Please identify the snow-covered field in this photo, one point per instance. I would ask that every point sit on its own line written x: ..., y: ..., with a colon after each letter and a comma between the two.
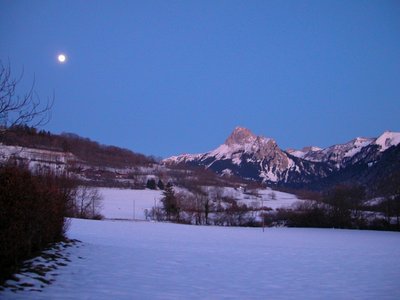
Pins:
x: 131, y: 204
x: 128, y: 204
x: 145, y: 260
x: 122, y: 259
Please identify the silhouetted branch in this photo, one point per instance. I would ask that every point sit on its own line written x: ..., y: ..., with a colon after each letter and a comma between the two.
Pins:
x: 18, y: 110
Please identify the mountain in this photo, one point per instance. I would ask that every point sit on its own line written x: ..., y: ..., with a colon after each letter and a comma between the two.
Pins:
x: 253, y: 157
x: 259, y: 158
x: 336, y: 155
x: 243, y: 154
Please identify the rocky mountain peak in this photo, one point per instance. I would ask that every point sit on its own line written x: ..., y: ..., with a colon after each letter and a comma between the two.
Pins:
x: 240, y: 136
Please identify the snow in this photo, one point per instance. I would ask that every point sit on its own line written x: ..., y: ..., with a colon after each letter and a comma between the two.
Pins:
x: 223, y: 151
x: 36, y: 158
x: 131, y: 204
x: 243, y: 141
x: 250, y: 144
x: 128, y: 204
x: 337, y: 152
x: 231, y: 151
x: 358, y: 145
x: 276, y: 199
x: 268, y: 174
x: 267, y: 198
x: 388, y: 139
x: 297, y: 153
x: 145, y: 260
x: 240, y: 141
x: 303, y: 152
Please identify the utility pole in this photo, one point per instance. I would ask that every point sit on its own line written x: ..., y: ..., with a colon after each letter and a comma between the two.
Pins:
x: 155, y: 209
x: 134, y: 204
x: 262, y: 213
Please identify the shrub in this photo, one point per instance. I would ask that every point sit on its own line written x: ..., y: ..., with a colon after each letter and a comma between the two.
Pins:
x: 32, y: 210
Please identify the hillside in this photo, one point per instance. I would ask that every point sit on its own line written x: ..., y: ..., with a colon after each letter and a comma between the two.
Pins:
x: 87, y: 160
x: 97, y: 164
x: 83, y: 149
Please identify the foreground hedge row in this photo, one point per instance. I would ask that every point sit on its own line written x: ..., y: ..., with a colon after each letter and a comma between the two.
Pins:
x: 32, y: 210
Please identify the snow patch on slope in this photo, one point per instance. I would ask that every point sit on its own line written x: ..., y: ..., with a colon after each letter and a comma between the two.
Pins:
x: 387, y: 140
x: 337, y: 153
x: 358, y: 144
x: 303, y: 152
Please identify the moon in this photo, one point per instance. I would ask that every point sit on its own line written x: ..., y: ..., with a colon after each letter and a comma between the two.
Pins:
x: 62, y: 58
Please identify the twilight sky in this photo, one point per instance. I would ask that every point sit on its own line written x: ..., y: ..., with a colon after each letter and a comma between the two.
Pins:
x: 170, y: 77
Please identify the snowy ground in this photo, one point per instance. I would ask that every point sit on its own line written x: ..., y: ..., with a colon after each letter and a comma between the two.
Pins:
x: 122, y: 259
x: 128, y: 204
x: 131, y: 204
x: 145, y: 260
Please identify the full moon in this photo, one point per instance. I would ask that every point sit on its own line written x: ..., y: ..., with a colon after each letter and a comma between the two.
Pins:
x: 62, y: 58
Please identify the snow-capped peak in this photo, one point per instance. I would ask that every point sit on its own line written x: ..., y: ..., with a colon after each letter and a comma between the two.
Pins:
x: 356, y: 145
x: 257, y: 157
x: 387, y: 140
x: 335, y: 153
x: 242, y: 146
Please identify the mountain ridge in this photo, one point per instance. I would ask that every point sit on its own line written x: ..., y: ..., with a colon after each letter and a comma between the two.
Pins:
x: 258, y: 158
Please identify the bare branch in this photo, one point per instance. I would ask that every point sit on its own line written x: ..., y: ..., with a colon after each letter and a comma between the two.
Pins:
x: 21, y: 110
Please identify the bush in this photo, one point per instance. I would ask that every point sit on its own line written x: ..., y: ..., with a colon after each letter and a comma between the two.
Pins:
x: 32, y: 210
x: 305, y: 214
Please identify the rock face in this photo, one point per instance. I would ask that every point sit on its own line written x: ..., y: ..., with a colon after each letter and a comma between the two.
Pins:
x: 259, y: 158
x: 245, y: 155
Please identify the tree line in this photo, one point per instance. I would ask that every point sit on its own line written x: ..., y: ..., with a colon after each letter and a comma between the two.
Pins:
x: 344, y: 206
x: 85, y: 149
x: 204, y: 206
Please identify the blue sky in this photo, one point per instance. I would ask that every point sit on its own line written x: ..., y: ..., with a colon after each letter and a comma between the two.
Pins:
x: 170, y: 77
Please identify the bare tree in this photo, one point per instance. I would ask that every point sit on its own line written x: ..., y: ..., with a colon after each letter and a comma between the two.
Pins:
x: 20, y: 110
x: 87, y: 203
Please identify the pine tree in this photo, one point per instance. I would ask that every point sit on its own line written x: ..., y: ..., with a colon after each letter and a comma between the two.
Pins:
x: 151, y: 184
x: 170, y: 203
x: 160, y: 184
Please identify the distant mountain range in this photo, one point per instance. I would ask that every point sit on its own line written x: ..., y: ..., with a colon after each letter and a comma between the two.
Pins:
x: 258, y: 158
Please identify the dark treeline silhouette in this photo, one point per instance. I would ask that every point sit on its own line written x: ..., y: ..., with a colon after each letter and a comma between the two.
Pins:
x: 344, y: 206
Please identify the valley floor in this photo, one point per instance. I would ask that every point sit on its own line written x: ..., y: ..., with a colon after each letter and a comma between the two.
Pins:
x: 145, y: 260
